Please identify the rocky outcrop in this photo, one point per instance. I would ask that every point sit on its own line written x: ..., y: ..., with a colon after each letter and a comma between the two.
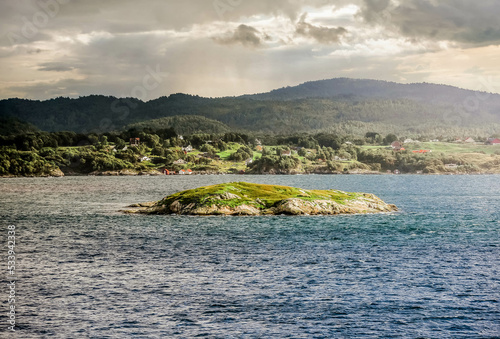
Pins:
x: 56, y: 172
x: 272, y: 200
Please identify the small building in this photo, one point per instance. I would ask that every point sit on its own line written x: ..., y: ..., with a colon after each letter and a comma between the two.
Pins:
x: 180, y: 162
x: 493, y: 141
x: 470, y: 140
x: 258, y: 148
x: 286, y: 153
x: 451, y: 165
x: 248, y: 161
x: 145, y: 159
x: 396, y: 171
x: 396, y: 145
x: 135, y: 141
x: 409, y: 141
x: 187, y: 148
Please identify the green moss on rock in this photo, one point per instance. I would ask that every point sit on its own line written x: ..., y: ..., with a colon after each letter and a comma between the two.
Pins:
x: 242, y: 198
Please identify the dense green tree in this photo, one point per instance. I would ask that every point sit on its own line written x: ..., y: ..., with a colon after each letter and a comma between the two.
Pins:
x: 242, y: 154
x: 390, y: 138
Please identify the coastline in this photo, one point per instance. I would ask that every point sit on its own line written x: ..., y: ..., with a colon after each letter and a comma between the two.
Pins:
x: 159, y: 174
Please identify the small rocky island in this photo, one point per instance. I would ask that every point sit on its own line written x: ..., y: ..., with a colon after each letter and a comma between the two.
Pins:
x: 242, y: 198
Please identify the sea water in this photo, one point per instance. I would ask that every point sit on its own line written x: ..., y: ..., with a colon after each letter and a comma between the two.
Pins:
x: 84, y: 270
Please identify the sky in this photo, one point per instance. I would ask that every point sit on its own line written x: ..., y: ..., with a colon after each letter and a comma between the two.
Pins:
x: 152, y: 48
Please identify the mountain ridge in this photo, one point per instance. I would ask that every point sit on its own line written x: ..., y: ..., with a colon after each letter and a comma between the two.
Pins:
x: 310, y: 106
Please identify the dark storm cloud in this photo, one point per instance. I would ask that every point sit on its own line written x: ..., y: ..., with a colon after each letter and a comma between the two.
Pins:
x: 245, y: 35
x: 324, y: 35
x: 55, y: 67
x: 471, y: 23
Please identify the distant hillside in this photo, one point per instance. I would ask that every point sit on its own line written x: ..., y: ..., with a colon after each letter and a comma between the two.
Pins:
x: 14, y: 126
x: 362, y: 89
x: 340, y: 105
x: 183, y: 124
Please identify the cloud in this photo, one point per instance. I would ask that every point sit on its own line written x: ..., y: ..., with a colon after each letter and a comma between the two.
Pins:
x: 55, y: 67
x: 324, y: 35
x: 245, y: 35
x: 465, y: 22
x: 104, y: 47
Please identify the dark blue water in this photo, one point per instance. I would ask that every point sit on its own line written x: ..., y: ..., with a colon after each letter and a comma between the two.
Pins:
x: 84, y: 270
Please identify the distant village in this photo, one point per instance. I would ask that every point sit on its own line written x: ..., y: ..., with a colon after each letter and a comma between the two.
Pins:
x: 396, y: 146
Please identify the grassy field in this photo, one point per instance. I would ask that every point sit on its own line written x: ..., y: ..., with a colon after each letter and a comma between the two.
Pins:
x: 247, y: 193
x: 233, y: 147
x: 447, y: 147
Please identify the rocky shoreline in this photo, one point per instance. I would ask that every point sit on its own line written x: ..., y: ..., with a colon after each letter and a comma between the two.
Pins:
x: 256, y: 199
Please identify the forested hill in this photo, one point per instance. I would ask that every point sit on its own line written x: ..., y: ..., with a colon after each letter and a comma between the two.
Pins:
x: 363, y: 89
x: 336, y: 105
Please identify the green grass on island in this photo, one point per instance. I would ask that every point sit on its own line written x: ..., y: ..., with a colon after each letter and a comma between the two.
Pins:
x: 262, y: 196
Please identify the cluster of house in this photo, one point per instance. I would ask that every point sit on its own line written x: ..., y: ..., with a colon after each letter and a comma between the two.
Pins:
x: 181, y: 172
